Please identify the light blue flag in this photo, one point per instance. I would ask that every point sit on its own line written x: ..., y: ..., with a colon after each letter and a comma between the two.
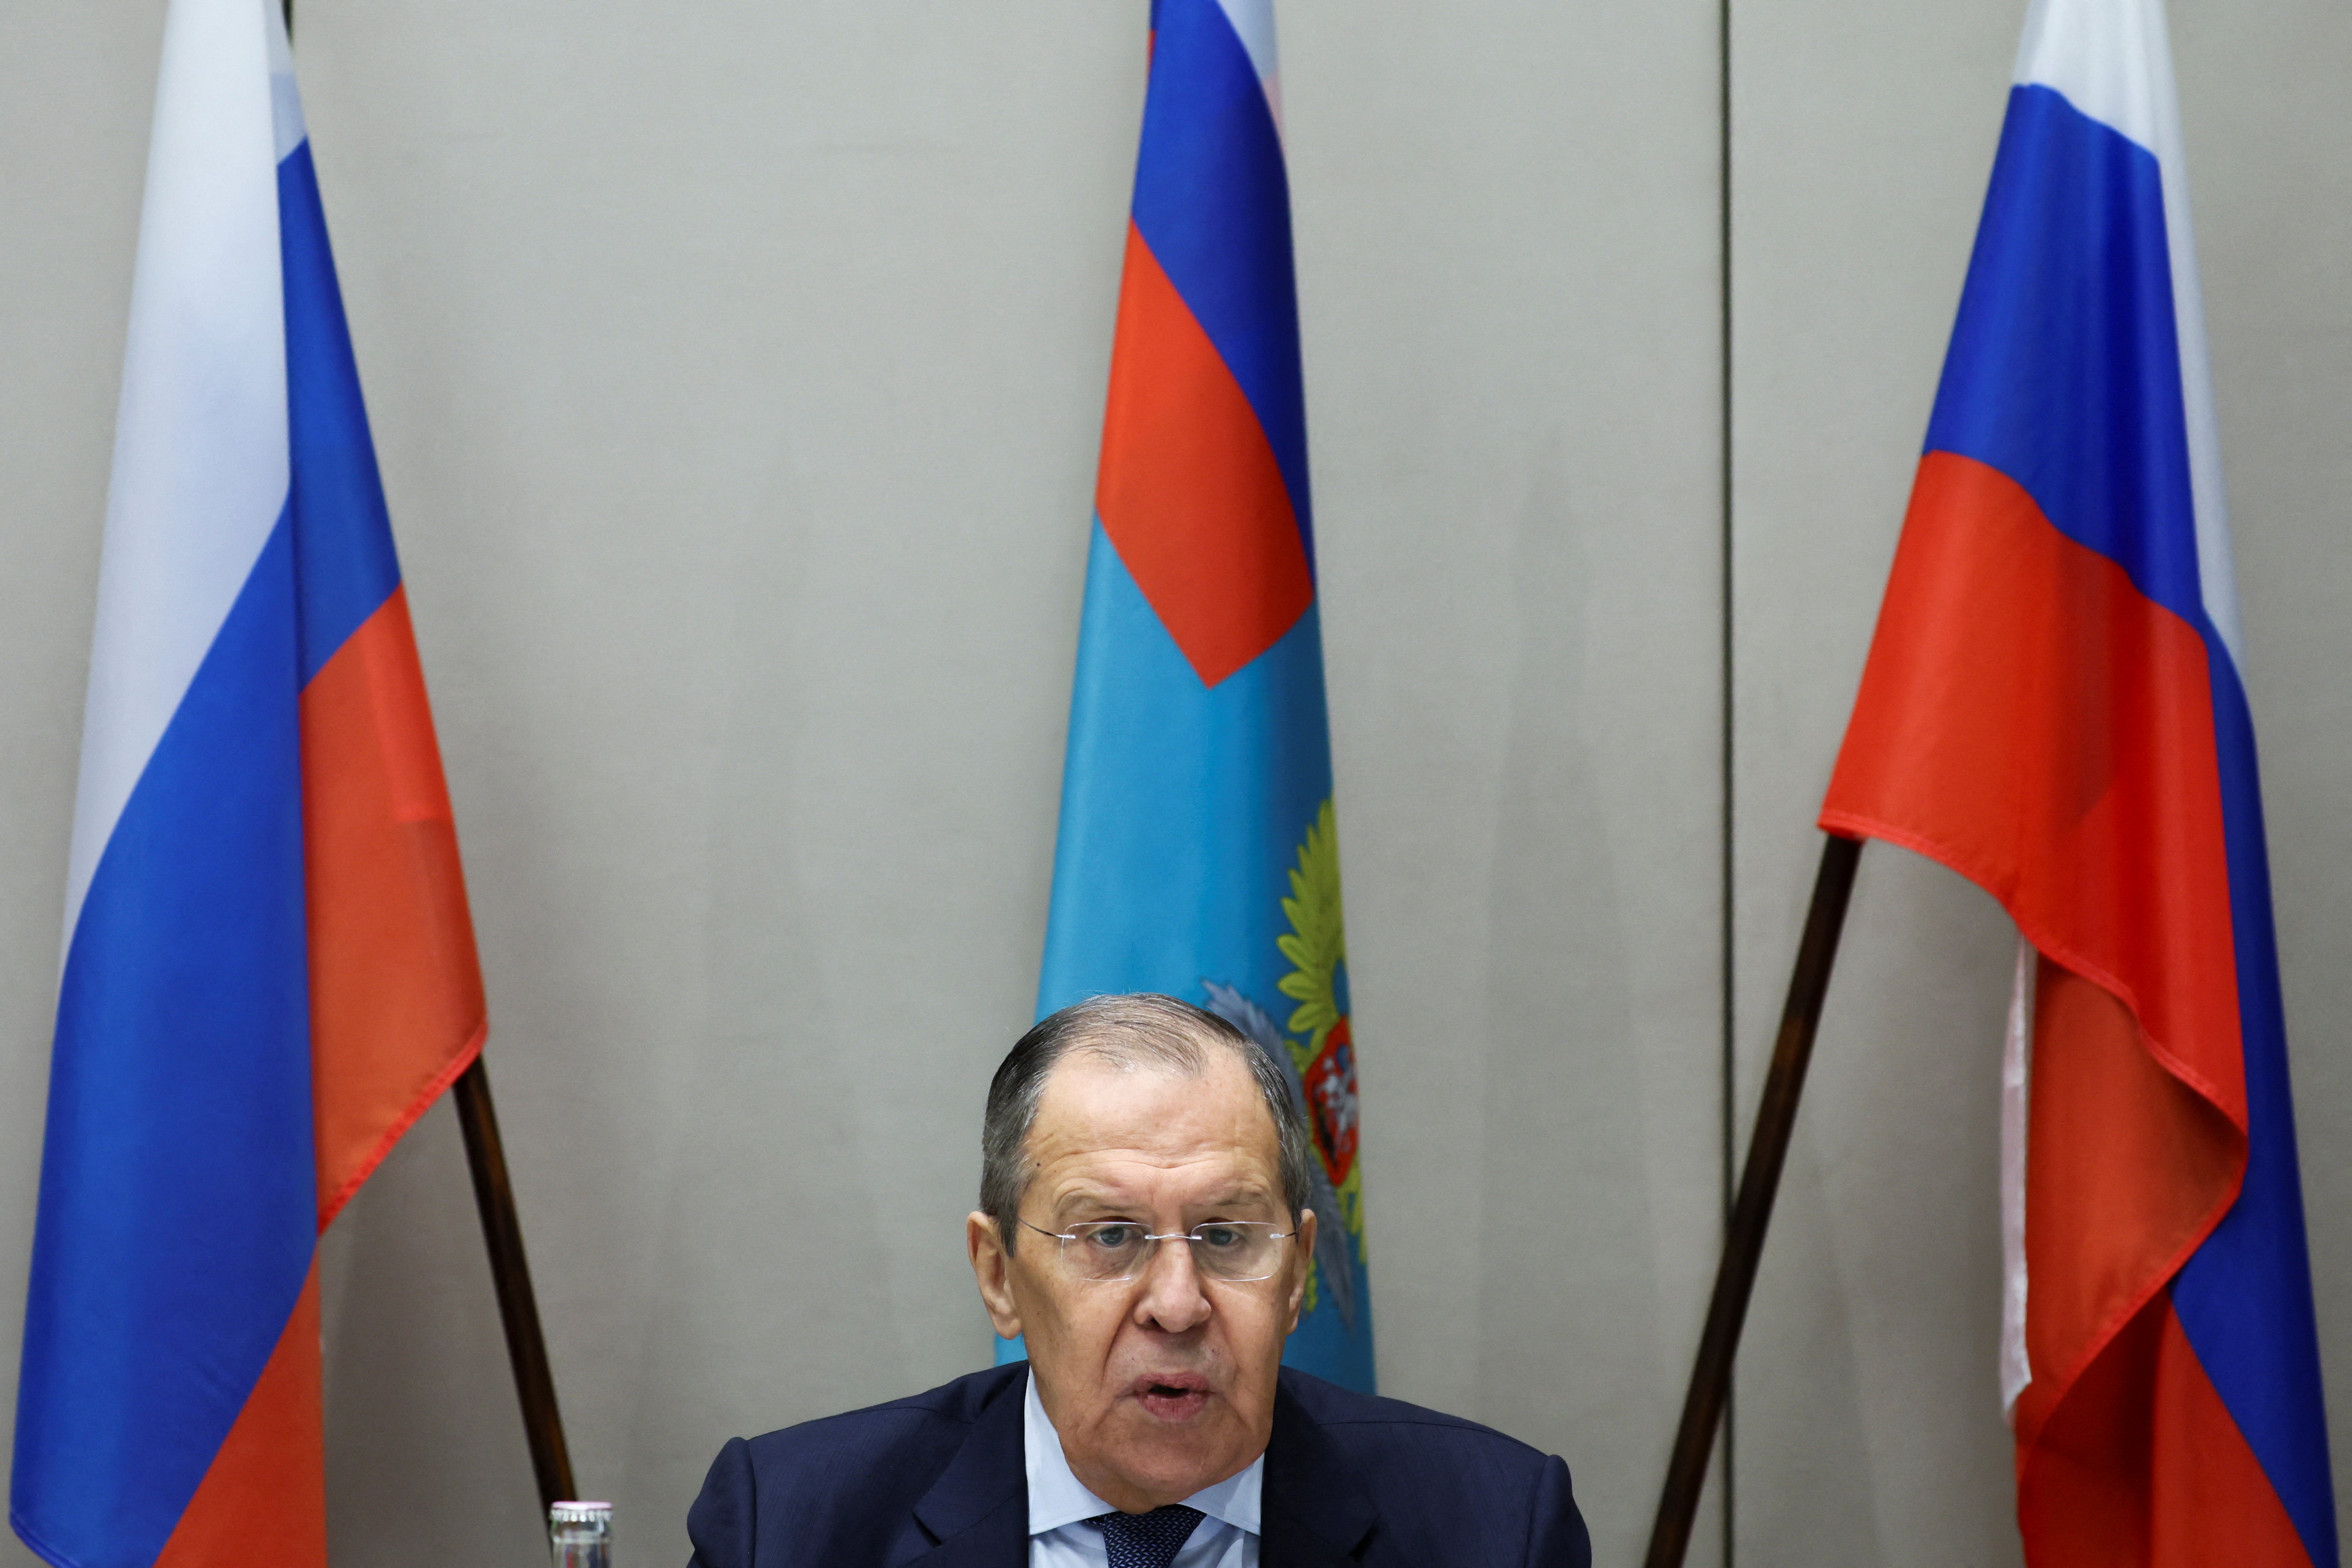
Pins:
x: 1199, y: 855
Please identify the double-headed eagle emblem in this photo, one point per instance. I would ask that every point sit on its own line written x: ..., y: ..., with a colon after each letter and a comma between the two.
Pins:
x: 1317, y: 1054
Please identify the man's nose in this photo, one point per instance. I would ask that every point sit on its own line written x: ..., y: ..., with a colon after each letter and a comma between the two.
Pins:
x: 1173, y: 1300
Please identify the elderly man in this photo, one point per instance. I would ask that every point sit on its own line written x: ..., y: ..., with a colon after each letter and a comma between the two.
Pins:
x: 1143, y: 1222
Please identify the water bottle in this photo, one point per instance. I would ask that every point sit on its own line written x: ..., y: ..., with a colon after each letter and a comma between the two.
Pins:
x: 581, y: 1534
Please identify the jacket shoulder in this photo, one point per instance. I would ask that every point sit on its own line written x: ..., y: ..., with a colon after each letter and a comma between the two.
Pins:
x: 950, y: 1408
x: 839, y: 1488
x: 1446, y: 1489
x: 1332, y: 1407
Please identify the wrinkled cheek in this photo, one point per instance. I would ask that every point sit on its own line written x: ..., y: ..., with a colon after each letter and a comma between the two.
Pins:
x: 1046, y: 1317
x: 1086, y: 1341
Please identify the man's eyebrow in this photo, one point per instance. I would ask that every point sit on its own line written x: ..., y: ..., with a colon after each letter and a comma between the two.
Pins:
x: 1098, y: 1197
x: 1248, y: 1193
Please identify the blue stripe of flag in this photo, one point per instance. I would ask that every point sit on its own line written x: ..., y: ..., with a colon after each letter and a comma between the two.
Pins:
x: 2244, y: 1297
x: 1213, y: 201
x: 178, y: 1203
x: 2064, y: 370
x: 343, y: 535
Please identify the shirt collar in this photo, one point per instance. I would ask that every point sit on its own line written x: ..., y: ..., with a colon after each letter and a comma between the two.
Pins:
x: 1057, y: 1497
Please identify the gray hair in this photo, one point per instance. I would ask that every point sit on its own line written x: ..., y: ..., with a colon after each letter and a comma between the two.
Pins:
x: 1140, y: 1030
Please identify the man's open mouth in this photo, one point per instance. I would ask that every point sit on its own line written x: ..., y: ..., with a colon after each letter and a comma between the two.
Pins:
x: 1172, y: 1396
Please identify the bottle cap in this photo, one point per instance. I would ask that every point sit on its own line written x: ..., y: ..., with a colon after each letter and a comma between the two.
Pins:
x: 579, y: 1512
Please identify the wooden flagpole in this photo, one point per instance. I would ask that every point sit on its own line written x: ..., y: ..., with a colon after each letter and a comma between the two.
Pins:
x: 1751, y: 1212
x: 550, y: 1458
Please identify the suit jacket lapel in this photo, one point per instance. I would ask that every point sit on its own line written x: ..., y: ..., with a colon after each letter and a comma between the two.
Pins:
x: 1314, y: 1511
x: 976, y: 1515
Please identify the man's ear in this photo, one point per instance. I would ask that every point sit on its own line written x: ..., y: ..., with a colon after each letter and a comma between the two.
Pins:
x: 993, y: 1269
x: 1302, y: 1248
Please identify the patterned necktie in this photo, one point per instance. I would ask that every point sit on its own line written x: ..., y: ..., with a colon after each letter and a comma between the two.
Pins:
x: 1147, y: 1539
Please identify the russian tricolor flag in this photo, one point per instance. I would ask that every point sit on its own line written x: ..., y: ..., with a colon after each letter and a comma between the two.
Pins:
x: 268, y: 969
x: 1199, y: 848
x: 2055, y: 706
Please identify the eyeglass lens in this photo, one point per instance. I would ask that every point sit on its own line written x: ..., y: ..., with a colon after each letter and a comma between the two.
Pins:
x: 1118, y: 1250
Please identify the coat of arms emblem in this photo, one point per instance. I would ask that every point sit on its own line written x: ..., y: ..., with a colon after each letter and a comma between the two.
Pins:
x: 1315, y: 1050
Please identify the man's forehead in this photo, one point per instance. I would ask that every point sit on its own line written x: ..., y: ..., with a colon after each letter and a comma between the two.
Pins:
x: 1095, y: 1102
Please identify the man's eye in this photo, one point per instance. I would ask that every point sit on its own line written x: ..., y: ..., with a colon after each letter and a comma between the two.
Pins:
x: 1219, y: 1235
x: 1115, y: 1236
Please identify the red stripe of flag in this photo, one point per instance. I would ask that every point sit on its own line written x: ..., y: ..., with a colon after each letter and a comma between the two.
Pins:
x: 1189, y: 489
x: 2030, y: 718
x: 397, y: 1007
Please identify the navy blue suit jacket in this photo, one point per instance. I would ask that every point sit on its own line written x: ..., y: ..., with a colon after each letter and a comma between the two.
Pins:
x: 940, y: 1481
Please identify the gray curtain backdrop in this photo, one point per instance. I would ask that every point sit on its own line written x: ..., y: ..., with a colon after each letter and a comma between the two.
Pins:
x: 736, y: 370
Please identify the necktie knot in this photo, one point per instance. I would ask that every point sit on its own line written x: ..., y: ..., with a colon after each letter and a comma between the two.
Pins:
x: 1147, y: 1539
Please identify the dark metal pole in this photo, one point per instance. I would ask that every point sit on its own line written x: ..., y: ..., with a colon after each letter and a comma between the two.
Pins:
x: 551, y: 1460
x: 1743, y: 1244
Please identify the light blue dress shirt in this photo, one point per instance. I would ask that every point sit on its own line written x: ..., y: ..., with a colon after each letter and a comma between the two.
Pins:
x: 1059, y: 1504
